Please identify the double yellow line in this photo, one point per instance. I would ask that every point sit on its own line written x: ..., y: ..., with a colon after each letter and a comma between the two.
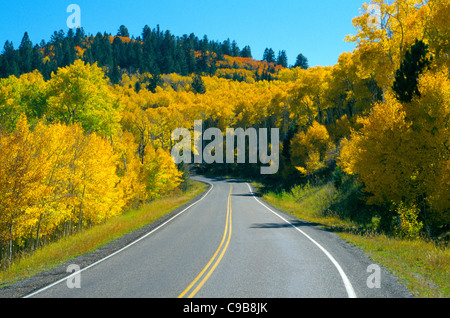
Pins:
x: 226, y: 237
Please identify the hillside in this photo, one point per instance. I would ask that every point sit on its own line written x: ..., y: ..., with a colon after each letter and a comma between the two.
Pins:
x: 155, y: 51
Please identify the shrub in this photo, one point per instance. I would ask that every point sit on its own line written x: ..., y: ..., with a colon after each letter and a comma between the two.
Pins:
x: 408, y: 225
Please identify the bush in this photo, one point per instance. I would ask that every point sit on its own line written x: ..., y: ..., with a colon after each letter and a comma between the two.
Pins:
x: 408, y: 225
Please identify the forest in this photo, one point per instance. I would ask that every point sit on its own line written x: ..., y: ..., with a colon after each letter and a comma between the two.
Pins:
x: 86, y: 121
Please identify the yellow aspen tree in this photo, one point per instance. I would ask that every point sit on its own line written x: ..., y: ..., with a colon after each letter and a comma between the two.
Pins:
x: 430, y: 116
x: 309, y: 149
x: 80, y: 93
x: 99, y: 197
x: 159, y: 172
x: 22, y: 173
x: 378, y: 156
x: 129, y: 167
x: 382, y: 45
x: 52, y: 209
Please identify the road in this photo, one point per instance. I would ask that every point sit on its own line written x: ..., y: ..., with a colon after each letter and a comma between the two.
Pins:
x: 231, y: 244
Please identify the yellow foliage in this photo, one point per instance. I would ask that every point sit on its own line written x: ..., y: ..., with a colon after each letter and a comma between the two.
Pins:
x: 309, y: 149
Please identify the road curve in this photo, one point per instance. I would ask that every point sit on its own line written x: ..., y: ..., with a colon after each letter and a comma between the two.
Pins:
x: 231, y: 244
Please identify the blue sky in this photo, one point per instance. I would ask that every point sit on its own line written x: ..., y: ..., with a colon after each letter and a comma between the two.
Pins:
x: 314, y: 28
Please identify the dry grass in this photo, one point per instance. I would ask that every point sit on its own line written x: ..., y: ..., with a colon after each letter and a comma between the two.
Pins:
x: 68, y: 248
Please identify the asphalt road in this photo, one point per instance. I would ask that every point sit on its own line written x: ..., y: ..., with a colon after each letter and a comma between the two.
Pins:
x: 231, y: 244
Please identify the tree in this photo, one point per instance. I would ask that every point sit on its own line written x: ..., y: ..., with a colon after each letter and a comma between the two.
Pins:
x: 80, y: 93
x: 407, y: 76
x: 234, y: 49
x: 197, y: 85
x: 160, y: 173
x: 269, y: 55
x: 10, y: 60
x: 246, y: 52
x: 25, y: 54
x: 309, y: 149
x: 402, y: 152
x: 123, y: 31
x: 22, y: 172
x: 282, y: 58
x: 301, y: 61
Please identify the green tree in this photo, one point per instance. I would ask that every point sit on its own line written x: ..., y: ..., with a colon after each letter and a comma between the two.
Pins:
x: 25, y: 54
x: 301, y: 61
x: 123, y: 31
x: 80, y: 93
x: 282, y: 58
x: 246, y: 52
x: 10, y: 65
x: 197, y: 85
x: 406, y: 77
x: 269, y: 55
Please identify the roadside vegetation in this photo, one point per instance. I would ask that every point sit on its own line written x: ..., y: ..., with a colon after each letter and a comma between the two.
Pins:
x: 66, y: 248
x: 421, y: 263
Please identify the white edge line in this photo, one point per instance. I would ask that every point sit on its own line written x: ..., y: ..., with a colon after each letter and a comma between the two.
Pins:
x: 122, y: 249
x: 348, y: 286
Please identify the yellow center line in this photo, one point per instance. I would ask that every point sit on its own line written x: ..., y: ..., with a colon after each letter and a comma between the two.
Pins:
x: 226, y: 233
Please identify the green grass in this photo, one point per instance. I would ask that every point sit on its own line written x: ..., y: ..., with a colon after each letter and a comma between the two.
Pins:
x: 89, y: 240
x: 421, y: 265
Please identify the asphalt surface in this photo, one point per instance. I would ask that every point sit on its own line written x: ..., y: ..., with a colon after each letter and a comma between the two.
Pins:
x: 228, y: 243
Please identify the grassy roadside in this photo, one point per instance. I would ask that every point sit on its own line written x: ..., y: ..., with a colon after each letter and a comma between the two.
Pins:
x: 87, y: 241
x: 421, y: 265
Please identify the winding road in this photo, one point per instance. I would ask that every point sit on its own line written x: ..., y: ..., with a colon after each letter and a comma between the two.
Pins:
x: 231, y: 244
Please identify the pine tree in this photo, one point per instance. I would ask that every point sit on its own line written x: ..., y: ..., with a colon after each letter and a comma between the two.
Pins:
x: 406, y: 77
x: 269, y: 55
x: 123, y: 31
x: 301, y: 61
x: 25, y: 54
x: 246, y: 52
x: 282, y: 59
x: 10, y: 57
x: 197, y: 85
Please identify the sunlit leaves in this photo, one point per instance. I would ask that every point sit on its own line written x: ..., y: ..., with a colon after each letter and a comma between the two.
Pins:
x: 80, y: 94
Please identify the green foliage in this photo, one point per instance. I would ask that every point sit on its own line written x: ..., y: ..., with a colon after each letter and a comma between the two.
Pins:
x: 197, y: 85
x: 301, y: 62
x: 406, y: 77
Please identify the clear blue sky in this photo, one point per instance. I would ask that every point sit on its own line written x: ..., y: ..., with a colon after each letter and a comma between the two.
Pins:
x: 314, y: 28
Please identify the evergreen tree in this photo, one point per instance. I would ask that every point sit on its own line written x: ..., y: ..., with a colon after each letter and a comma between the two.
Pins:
x: 406, y: 77
x: 269, y: 55
x: 282, y: 58
x: 301, y: 61
x: 36, y: 59
x: 78, y: 37
x: 10, y: 65
x: 234, y: 49
x: 123, y: 31
x: 25, y: 54
x: 226, y: 47
x: 118, y: 52
x: 246, y: 52
x: 153, y: 82
x: 197, y: 85
x: 114, y: 74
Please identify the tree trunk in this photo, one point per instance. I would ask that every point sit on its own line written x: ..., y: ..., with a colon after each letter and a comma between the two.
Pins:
x: 10, y: 243
x: 38, y: 232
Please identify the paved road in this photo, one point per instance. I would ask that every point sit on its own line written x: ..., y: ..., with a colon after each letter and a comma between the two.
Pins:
x: 231, y: 244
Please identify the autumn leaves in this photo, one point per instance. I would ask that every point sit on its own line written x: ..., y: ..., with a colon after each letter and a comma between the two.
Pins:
x: 65, y: 160
x: 77, y: 150
x: 401, y: 152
